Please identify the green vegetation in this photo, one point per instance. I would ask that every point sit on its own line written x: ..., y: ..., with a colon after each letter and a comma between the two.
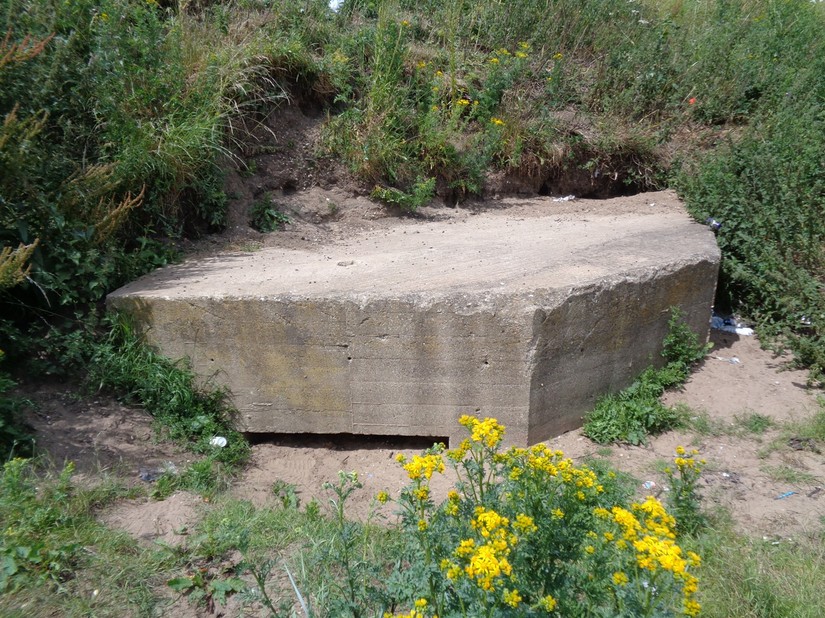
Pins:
x: 746, y: 578
x: 265, y: 216
x: 524, y: 533
x: 57, y: 559
x: 754, y: 423
x: 636, y: 412
x: 169, y: 392
x: 118, y: 119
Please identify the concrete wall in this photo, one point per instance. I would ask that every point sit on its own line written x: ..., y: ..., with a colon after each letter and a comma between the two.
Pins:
x: 407, y: 366
x: 526, y: 315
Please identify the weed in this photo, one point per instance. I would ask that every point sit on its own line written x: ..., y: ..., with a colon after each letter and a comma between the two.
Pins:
x: 57, y: 558
x: 754, y: 423
x: 746, y: 577
x: 683, y: 498
x: 200, y: 588
x: 185, y: 411
x: 812, y: 428
x: 783, y: 473
x: 204, y: 477
x: 525, y: 532
x: 634, y: 413
x: 421, y: 194
x: 265, y: 216
x: 287, y: 494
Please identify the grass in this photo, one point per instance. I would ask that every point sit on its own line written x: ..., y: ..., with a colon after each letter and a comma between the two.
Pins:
x: 184, y: 409
x: 57, y: 558
x: 812, y: 428
x: 753, y: 423
x: 750, y: 578
x: 784, y: 473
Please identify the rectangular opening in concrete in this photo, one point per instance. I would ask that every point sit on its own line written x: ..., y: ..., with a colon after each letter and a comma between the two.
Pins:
x: 347, y: 441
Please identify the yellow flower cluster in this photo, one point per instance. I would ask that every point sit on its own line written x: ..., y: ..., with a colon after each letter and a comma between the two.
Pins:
x: 382, y: 497
x: 486, y: 564
x: 502, y: 53
x: 650, y: 531
x: 512, y: 598
x: 688, y: 464
x: 487, y: 561
x: 547, y: 603
x: 489, y: 431
x: 421, y: 465
x: 453, y: 499
x: 524, y: 524
x: 620, y: 578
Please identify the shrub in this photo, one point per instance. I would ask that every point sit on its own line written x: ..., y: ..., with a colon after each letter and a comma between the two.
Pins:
x: 265, y: 216
x: 525, y: 532
x: 27, y: 550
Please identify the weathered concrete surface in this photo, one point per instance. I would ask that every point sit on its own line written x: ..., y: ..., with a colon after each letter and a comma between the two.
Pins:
x: 526, y: 314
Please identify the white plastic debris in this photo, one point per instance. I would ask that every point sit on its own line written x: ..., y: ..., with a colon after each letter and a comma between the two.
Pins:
x: 730, y: 325
x: 218, y: 441
x: 566, y: 198
x: 335, y: 4
x: 733, y: 360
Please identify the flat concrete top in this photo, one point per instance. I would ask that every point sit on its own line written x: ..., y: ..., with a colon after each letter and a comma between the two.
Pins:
x: 518, y: 246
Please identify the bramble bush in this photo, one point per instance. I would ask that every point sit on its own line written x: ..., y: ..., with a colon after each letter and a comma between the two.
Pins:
x: 524, y: 532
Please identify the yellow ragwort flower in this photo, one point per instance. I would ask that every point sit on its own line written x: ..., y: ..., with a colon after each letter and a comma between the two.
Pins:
x: 548, y: 603
x: 512, y: 598
x: 620, y: 578
x: 424, y: 465
x: 524, y: 524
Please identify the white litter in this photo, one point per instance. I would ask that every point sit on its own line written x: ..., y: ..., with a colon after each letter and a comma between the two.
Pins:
x: 729, y: 325
x: 335, y: 4
x: 733, y: 360
x: 218, y: 441
x: 566, y: 198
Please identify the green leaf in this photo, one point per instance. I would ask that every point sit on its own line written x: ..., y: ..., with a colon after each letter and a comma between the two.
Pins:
x: 181, y: 584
